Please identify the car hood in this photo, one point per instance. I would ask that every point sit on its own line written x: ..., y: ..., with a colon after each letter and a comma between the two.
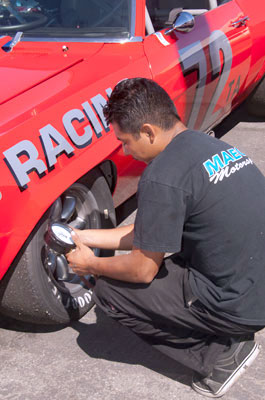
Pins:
x: 26, y: 67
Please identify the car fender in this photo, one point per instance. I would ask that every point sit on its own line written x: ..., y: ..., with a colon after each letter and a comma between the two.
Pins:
x: 54, y: 138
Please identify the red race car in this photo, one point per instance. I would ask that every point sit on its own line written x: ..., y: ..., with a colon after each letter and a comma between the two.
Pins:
x: 59, y: 61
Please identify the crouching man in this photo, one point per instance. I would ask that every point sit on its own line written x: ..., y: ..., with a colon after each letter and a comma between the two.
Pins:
x: 203, y: 201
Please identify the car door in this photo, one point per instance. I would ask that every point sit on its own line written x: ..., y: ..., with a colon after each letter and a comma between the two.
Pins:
x: 256, y: 24
x: 203, y: 70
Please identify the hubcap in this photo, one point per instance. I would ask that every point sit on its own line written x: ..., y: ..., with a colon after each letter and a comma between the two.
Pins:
x: 76, y: 207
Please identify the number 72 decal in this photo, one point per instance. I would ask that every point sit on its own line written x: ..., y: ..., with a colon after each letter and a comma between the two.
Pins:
x: 192, y: 58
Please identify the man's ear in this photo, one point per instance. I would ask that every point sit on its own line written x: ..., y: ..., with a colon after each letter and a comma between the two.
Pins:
x: 148, y: 131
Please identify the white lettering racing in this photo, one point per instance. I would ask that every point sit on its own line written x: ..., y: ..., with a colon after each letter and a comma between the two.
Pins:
x: 23, y: 158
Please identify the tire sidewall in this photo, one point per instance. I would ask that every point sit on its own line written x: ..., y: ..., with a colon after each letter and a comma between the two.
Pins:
x: 39, y: 297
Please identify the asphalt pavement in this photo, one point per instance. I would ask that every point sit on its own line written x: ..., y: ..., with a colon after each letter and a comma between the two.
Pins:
x: 96, y: 358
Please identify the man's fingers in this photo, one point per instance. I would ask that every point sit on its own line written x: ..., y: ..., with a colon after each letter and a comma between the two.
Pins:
x: 76, y: 239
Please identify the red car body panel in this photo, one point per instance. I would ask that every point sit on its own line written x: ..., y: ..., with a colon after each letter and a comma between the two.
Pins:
x: 255, y: 12
x: 52, y: 97
x: 184, y: 47
x: 45, y: 104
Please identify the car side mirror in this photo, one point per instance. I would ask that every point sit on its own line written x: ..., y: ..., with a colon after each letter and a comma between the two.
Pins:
x: 184, y: 22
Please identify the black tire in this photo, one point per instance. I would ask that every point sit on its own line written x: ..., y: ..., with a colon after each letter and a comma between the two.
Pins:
x: 256, y: 100
x: 33, y: 290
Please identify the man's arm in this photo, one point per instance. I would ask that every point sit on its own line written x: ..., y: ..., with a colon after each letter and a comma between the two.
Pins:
x: 120, y: 238
x: 139, y: 266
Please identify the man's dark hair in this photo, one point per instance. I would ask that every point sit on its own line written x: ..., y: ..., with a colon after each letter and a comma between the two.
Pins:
x: 137, y: 101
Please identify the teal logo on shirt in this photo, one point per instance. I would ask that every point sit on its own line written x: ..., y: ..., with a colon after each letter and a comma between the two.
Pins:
x: 224, y: 164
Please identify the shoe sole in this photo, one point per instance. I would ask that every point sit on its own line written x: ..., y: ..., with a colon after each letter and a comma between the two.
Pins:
x: 234, y: 377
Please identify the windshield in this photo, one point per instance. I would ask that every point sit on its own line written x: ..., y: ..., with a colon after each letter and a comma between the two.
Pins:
x: 66, y: 18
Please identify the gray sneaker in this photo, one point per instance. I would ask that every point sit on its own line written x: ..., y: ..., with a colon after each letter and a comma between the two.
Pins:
x: 227, y: 370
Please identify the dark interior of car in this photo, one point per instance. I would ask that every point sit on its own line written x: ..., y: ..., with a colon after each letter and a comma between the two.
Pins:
x: 163, y: 12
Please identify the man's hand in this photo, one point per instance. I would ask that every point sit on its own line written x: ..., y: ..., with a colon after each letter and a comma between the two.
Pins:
x: 120, y: 238
x: 81, y: 258
x: 139, y: 266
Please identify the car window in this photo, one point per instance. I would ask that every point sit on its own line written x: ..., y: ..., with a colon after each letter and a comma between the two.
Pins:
x: 163, y: 12
x: 64, y: 18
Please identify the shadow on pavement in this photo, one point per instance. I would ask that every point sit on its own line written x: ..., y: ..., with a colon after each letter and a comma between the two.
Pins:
x: 107, y: 339
x: 239, y: 115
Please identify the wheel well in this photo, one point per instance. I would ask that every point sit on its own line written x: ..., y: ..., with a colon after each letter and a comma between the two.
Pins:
x: 109, y: 171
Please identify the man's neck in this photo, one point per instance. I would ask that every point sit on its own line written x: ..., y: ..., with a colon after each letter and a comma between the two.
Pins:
x: 178, y: 128
x: 168, y: 136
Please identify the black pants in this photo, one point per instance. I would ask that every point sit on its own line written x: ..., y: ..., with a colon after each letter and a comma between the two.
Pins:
x: 166, y: 314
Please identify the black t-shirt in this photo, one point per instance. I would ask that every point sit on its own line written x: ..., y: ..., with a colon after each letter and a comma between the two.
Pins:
x: 206, y: 199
